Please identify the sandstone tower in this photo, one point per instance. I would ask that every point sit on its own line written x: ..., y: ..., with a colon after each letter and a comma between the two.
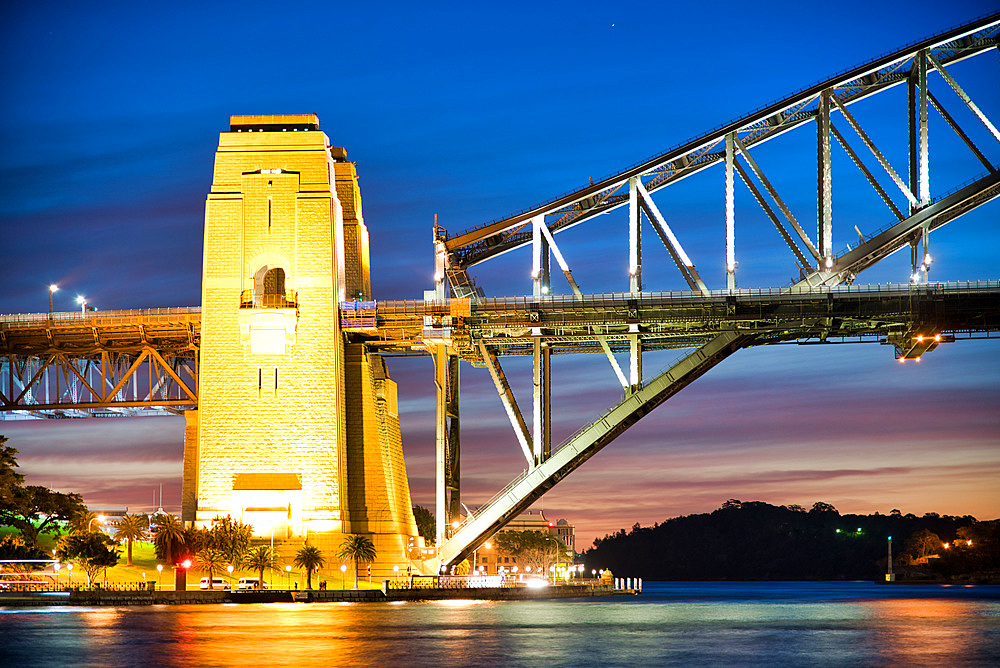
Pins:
x: 297, y: 431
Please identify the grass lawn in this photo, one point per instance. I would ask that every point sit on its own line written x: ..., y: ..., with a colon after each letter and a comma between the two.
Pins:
x: 144, y: 561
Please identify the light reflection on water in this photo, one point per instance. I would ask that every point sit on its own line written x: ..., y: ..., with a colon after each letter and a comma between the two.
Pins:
x: 788, y: 624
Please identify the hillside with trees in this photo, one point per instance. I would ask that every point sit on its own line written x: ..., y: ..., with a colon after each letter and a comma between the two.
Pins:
x: 757, y: 541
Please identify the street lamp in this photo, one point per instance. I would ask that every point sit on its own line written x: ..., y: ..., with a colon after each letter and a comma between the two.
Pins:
x: 230, y: 569
x: 159, y: 572
x: 57, y: 567
x: 82, y: 301
x: 288, y: 575
x: 69, y: 568
x: 52, y: 289
x: 343, y: 571
x: 890, y: 576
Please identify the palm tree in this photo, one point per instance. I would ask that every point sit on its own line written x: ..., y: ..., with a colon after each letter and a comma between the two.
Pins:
x: 357, y: 548
x: 259, y: 558
x: 209, y: 560
x: 169, y: 539
x: 309, y: 558
x: 85, y: 520
x: 131, y: 528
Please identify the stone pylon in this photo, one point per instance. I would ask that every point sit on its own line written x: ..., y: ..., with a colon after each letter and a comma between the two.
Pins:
x: 297, y: 431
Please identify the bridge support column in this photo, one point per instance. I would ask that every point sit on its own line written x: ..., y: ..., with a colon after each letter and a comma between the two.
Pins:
x: 730, y: 216
x: 634, y: 238
x: 453, y: 469
x: 824, y: 191
x: 448, y: 506
x: 541, y: 424
x: 635, y: 358
x: 917, y: 126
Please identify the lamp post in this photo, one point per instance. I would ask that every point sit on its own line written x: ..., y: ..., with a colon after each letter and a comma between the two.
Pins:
x: 288, y: 575
x: 890, y: 576
x: 53, y: 288
x: 230, y: 569
x: 69, y: 570
x: 57, y: 567
x: 343, y: 576
x: 82, y: 301
x: 159, y: 572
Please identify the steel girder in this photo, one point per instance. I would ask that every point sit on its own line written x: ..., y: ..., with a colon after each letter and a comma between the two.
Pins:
x: 109, y: 364
x: 569, y: 325
x: 816, y: 103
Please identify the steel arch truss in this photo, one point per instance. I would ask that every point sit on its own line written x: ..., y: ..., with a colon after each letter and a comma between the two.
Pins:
x: 825, y: 104
x: 911, y: 206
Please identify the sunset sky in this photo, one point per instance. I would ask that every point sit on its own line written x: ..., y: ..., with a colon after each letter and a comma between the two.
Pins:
x: 110, y: 119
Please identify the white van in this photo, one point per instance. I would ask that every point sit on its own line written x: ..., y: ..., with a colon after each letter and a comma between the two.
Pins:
x: 217, y: 583
x: 251, y: 583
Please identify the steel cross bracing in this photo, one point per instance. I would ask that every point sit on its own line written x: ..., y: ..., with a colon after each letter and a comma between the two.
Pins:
x: 111, y: 364
x: 482, y: 330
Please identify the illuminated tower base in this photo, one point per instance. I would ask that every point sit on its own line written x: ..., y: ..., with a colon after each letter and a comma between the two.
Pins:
x: 297, y: 432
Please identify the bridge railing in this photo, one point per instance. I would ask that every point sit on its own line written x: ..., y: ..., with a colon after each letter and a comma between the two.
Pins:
x: 618, y: 299
x: 72, y: 317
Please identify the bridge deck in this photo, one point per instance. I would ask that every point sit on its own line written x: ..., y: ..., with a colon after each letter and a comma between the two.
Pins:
x: 569, y: 324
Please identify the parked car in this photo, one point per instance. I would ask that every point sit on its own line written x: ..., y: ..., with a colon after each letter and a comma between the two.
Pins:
x: 217, y: 583
x: 250, y: 583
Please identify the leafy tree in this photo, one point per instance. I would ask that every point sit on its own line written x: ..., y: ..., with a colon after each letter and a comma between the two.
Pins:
x: 210, y: 560
x: 231, y: 537
x: 14, y: 547
x: 10, y: 479
x: 131, y: 527
x: 923, y: 543
x: 169, y: 540
x: 823, y: 507
x: 31, y: 509
x: 531, y: 548
x: 358, y: 549
x: 426, y: 526
x: 93, y: 551
x: 258, y: 558
x: 309, y: 558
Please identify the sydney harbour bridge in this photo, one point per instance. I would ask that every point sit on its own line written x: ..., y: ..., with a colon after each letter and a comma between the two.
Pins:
x: 125, y: 363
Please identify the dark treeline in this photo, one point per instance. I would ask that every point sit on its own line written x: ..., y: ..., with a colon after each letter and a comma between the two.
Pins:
x: 757, y: 541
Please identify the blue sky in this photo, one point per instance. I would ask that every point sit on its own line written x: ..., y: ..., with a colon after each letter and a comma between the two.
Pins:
x: 110, y: 117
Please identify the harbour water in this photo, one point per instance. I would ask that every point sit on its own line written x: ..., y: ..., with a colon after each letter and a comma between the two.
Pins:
x: 682, y: 624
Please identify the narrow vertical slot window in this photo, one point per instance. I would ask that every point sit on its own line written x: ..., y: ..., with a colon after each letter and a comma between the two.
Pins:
x: 276, y: 381
x: 260, y: 382
x: 268, y: 215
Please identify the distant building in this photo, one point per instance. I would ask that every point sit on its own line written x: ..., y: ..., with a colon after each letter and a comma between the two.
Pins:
x: 109, y: 515
x: 490, y: 559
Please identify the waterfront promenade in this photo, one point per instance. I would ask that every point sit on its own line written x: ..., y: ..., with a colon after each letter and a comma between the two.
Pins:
x: 149, y: 596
